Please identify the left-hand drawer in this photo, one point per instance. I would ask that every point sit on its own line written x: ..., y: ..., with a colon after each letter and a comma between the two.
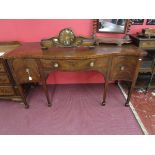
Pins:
x: 4, y: 79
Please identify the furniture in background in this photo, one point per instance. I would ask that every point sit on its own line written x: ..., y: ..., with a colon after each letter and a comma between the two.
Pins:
x: 8, y: 88
x: 112, y: 26
x: 146, y: 41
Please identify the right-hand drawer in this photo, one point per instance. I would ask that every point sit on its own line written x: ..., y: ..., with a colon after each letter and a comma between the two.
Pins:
x: 123, y: 67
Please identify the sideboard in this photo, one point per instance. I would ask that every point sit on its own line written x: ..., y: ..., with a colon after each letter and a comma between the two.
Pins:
x: 29, y: 63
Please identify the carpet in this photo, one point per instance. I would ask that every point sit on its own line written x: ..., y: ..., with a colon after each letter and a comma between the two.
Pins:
x: 76, y: 110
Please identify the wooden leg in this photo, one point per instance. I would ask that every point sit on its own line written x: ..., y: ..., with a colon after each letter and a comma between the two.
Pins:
x: 105, y: 92
x: 23, y: 96
x: 54, y: 89
x: 133, y: 81
x: 46, y: 93
x: 116, y: 82
x: 43, y: 80
x: 129, y: 94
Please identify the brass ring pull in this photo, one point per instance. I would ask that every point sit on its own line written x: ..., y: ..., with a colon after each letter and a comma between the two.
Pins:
x: 56, y: 65
x: 28, y: 72
x: 122, y: 68
x: 92, y: 64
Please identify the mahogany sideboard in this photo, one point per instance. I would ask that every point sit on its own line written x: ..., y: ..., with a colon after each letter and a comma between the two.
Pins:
x: 29, y: 63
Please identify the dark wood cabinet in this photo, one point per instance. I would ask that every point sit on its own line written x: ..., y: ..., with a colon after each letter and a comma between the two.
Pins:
x: 8, y: 88
x: 146, y: 78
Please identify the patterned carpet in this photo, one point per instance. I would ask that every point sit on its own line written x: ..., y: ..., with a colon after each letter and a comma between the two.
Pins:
x: 76, y: 110
x: 144, y: 107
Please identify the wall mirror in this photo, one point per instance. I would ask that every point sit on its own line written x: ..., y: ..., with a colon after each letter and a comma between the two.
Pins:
x: 111, y: 25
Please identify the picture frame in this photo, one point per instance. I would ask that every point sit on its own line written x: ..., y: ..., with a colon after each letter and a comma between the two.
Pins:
x: 111, y: 25
x: 137, y: 21
x: 150, y: 22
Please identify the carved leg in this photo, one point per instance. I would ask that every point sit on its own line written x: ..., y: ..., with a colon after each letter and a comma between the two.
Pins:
x: 105, y: 92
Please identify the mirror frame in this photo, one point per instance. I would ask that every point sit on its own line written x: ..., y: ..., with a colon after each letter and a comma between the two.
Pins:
x: 97, y: 28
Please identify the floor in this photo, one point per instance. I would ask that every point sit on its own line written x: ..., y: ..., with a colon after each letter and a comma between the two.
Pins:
x: 76, y: 110
x: 144, y: 104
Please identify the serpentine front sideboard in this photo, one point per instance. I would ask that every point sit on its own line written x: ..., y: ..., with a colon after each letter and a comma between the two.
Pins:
x: 29, y: 63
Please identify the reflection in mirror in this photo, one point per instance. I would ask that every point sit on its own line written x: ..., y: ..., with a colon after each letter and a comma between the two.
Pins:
x: 112, y: 25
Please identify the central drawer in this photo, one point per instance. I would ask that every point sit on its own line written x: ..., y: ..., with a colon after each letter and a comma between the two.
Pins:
x: 4, y: 79
x: 74, y: 65
x: 67, y: 64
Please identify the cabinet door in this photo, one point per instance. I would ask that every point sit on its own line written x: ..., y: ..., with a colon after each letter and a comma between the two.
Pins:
x: 26, y: 70
x: 123, y: 68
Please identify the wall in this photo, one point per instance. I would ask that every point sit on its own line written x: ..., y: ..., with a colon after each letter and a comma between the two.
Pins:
x: 33, y: 30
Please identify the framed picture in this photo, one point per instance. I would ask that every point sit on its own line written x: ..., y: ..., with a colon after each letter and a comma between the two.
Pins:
x: 137, y: 21
x: 150, y: 22
x: 111, y: 25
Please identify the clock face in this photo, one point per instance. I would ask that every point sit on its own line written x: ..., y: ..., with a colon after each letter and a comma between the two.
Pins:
x: 66, y: 37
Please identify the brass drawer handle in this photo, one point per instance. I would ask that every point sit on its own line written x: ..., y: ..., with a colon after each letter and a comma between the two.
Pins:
x: 122, y: 68
x: 56, y: 65
x: 92, y: 64
x: 28, y: 72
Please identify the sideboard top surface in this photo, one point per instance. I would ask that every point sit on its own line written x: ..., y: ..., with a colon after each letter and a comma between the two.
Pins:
x: 33, y: 50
